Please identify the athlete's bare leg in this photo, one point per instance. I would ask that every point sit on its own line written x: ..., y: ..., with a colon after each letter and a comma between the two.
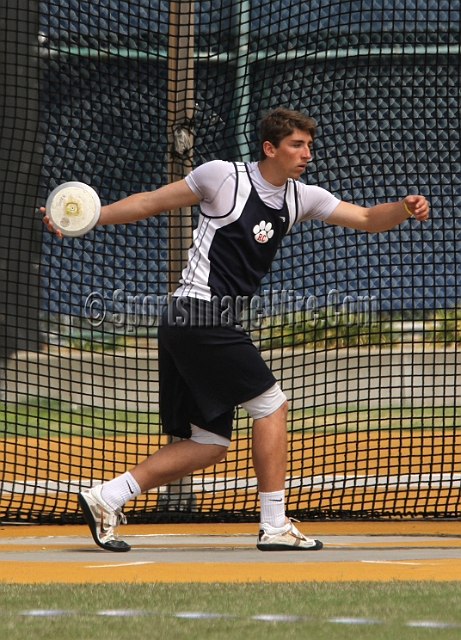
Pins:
x: 270, y: 450
x: 179, y: 459
x: 174, y: 461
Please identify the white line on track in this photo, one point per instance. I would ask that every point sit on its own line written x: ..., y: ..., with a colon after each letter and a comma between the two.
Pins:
x: 111, y: 566
x: 417, y: 564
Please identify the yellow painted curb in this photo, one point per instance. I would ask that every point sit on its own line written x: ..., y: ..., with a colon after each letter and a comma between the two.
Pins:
x: 98, y: 572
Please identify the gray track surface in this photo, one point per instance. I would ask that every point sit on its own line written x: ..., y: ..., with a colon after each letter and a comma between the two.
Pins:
x: 240, y: 548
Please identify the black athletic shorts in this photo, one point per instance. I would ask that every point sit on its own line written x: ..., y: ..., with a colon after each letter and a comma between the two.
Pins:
x: 207, y: 366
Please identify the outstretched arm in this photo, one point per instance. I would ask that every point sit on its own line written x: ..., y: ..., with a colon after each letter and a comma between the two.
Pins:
x: 143, y: 205
x: 150, y: 203
x: 380, y: 217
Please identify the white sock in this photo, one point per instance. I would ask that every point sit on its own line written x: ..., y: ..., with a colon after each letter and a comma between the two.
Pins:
x: 273, y: 508
x: 119, y: 490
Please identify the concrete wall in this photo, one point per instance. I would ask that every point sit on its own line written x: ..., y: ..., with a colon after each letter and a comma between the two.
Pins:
x: 129, y: 380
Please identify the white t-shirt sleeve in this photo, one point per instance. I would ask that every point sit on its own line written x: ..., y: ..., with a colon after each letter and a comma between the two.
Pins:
x: 214, y: 183
x: 315, y: 203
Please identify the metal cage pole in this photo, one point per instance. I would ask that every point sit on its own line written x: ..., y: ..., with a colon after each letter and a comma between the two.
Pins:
x: 178, y: 495
x: 181, y: 106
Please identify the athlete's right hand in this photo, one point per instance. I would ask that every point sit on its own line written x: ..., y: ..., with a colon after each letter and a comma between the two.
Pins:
x: 49, y: 225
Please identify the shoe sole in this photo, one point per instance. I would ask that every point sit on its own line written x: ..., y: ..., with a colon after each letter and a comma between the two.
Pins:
x: 118, y: 546
x: 277, y: 546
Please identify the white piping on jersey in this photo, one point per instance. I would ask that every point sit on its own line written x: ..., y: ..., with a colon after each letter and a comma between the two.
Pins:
x: 194, y: 280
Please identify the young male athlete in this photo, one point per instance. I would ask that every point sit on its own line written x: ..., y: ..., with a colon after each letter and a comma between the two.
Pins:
x: 207, y: 363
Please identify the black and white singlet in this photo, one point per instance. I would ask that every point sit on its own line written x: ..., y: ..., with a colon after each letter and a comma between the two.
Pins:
x: 242, y: 222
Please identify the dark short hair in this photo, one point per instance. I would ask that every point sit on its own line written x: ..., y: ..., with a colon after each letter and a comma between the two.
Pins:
x: 279, y: 124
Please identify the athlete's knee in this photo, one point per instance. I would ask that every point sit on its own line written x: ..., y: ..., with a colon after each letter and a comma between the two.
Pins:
x: 284, y: 409
x: 267, y: 403
x: 209, y: 454
x: 216, y: 444
x: 219, y: 453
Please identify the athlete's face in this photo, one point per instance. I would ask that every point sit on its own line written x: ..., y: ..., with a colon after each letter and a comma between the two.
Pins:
x: 289, y: 159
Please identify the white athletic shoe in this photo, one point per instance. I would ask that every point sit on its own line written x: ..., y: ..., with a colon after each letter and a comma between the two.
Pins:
x: 286, y: 538
x: 102, y: 519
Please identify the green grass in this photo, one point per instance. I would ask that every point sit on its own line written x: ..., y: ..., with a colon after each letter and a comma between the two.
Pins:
x: 337, y: 328
x: 38, y: 420
x: 350, y: 418
x: 394, y: 604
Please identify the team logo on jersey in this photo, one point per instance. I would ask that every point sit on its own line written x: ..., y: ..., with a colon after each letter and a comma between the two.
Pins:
x: 263, y: 231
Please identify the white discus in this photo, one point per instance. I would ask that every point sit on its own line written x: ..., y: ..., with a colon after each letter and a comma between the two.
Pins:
x: 74, y: 208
